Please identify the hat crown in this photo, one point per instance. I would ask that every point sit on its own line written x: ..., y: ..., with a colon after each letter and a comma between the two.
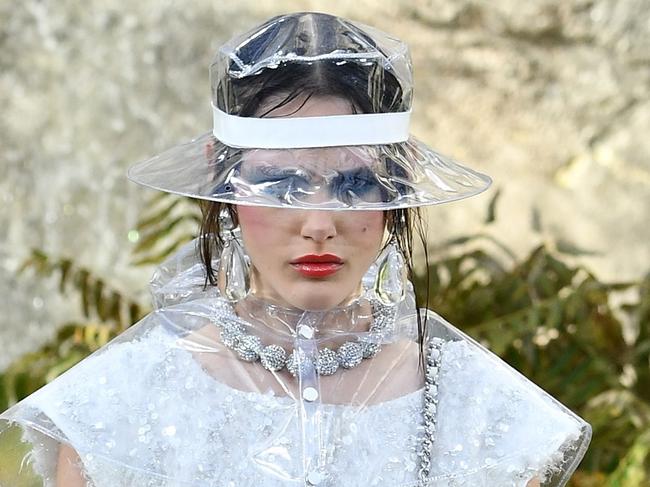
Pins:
x: 315, y: 53
x: 311, y: 111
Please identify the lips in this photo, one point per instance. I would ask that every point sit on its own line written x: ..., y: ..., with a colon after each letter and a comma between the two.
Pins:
x: 317, y: 266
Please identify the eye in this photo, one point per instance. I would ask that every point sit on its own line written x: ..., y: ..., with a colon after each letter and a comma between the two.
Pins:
x: 278, y: 182
x: 357, y: 184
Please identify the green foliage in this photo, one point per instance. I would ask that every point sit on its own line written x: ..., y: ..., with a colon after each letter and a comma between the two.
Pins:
x: 98, y: 301
x: 584, y: 341
x: 167, y: 224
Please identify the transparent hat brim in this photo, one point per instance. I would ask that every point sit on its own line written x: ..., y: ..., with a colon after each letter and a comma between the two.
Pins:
x: 365, y: 177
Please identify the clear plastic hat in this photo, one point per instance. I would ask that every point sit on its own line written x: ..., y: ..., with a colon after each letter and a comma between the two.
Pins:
x: 311, y: 111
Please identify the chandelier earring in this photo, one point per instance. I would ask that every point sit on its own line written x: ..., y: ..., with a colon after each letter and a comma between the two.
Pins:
x: 391, y: 278
x: 234, y: 268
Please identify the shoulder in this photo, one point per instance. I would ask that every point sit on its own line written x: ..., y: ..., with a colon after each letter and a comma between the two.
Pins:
x: 494, y: 420
x: 142, y: 365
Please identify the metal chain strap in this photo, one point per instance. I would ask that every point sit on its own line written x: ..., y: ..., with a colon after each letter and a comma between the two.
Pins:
x: 430, y: 407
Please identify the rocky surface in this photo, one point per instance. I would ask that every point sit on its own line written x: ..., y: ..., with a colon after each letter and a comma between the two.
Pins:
x: 549, y: 97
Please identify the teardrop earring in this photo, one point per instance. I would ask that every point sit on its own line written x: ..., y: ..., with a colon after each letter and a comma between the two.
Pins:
x: 233, y: 265
x: 390, y: 281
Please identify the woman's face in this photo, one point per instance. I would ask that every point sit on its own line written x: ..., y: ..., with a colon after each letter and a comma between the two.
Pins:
x: 310, y: 259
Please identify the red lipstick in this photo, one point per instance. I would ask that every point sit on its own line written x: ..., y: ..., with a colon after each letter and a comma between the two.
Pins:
x: 316, y: 266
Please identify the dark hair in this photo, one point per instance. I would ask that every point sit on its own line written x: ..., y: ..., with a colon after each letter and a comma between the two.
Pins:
x: 370, y: 88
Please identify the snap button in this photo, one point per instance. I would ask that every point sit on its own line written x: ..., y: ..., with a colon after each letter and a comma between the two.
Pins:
x: 310, y: 394
x: 306, y: 331
x: 315, y: 477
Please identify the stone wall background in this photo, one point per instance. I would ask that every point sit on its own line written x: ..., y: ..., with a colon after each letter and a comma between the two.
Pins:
x: 551, y: 98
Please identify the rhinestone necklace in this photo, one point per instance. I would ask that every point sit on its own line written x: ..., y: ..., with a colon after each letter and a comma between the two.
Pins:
x: 250, y: 348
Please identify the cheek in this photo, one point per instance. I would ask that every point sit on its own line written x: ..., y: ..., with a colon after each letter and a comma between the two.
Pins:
x: 253, y: 221
x: 369, y: 227
x: 258, y: 234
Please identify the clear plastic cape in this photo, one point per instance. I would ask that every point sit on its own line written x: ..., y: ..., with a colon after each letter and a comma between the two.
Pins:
x: 167, y: 403
x: 268, y: 147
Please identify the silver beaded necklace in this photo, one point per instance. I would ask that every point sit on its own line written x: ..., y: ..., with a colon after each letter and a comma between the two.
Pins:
x: 273, y: 357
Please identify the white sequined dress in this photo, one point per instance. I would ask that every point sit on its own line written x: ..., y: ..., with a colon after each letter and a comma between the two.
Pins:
x: 144, y: 411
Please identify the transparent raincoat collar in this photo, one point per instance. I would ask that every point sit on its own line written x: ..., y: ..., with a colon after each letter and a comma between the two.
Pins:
x: 311, y: 111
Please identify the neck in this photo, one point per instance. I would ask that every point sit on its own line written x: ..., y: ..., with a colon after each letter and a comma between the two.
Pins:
x: 276, y: 319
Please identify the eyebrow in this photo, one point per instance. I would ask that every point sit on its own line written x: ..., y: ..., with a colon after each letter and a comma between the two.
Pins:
x: 258, y: 172
x: 364, y: 170
x: 271, y: 170
x: 274, y: 171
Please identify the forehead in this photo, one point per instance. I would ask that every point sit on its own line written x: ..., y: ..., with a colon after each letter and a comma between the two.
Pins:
x: 323, y: 160
x: 304, y: 106
x: 320, y: 160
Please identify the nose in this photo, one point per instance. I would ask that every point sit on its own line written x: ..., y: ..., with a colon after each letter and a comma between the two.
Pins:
x: 318, y: 225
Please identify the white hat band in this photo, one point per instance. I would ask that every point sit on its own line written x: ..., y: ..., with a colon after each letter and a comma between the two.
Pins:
x: 303, y: 132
